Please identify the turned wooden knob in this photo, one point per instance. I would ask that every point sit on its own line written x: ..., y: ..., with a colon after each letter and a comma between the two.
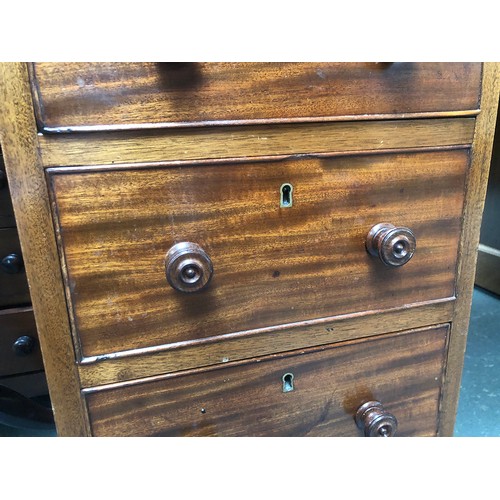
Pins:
x: 375, y: 421
x: 188, y: 267
x: 394, y: 246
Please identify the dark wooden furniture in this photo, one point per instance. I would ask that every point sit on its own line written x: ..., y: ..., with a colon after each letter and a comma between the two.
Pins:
x: 21, y: 364
x: 243, y: 249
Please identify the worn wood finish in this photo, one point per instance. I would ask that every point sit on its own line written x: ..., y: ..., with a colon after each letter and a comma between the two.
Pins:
x: 73, y: 96
x: 33, y: 216
x: 402, y: 371
x: 218, y: 143
x: 474, y: 202
x: 14, y: 289
x: 7, y: 218
x: 237, y: 163
x: 271, y: 265
x: 15, y: 323
x: 138, y: 363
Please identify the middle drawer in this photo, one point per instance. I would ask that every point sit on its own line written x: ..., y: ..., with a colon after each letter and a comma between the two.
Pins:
x: 285, y: 239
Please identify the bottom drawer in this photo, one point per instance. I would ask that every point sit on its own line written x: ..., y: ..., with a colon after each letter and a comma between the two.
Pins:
x: 312, y: 392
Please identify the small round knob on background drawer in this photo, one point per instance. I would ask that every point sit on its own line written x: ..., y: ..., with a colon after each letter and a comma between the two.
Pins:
x: 188, y: 267
x: 394, y: 246
x: 12, y: 263
x: 375, y: 421
x: 24, y: 345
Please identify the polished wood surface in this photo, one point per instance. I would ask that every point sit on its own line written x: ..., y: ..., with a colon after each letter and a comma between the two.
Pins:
x: 111, y: 148
x: 137, y: 363
x: 100, y: 208
x: 469, y: 241
x: 18, y: 135
x: 272, y: 265
x: 75, y: 95
x: 14, y: 289
x: 403, y: 371
x: 16, y: 323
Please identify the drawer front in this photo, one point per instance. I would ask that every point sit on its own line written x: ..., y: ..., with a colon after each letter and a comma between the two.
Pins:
x: 14, y: 289
x: 76, y: 95
x: 402, y: 371
x: 271, y: 264
x: 7, y: 218
x: 19, y: 348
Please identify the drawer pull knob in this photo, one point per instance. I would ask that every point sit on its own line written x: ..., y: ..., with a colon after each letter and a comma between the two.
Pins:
x: 12, y: 263
x: 23, y: 346
x: 188, y: 267
x: 375, y: 421
x: 394, y: 246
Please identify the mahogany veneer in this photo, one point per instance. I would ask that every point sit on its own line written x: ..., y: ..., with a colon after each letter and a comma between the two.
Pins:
x: 250, y: 248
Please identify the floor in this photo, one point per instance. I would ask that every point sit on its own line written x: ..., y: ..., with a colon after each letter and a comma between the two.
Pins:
x: 14, y: 431
x: 479, y: 406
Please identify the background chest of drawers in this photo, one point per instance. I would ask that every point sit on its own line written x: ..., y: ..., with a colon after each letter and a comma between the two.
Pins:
x: 250, y: 249
x: 21, y: 364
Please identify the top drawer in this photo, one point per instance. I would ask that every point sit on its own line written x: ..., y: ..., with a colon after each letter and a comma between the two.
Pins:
x: 83, y: 96
x: 270, y: 243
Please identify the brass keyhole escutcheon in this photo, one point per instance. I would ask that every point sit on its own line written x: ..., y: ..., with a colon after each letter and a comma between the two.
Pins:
x: 286, y: 192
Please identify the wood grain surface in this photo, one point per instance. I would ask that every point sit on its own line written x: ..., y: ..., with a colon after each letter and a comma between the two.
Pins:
x: 402, y: 371
x: 14, y: 290
x: 18, y: 137
x: 157, y: 360
x: 75, y: 96
x: 15, y: 323
x: 272, y: 265
x: 469, y: 241
x: 111, y: 148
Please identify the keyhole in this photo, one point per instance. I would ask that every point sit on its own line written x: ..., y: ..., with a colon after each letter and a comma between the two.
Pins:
x: 287, y: 382
x: 286, y: 195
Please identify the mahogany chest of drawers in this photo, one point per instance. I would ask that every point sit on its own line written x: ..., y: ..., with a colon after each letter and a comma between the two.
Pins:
x: 250, y: 249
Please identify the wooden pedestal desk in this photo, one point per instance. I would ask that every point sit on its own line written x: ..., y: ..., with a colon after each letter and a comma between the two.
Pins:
x: 250, y: 249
